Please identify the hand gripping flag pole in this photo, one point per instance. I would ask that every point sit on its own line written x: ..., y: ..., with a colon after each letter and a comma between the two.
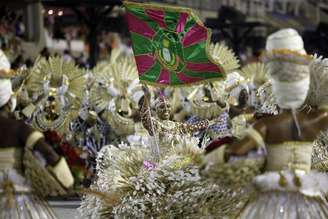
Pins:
x: 154, y: 144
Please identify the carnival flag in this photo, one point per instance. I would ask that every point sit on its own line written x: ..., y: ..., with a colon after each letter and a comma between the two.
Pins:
x: 170, y: 45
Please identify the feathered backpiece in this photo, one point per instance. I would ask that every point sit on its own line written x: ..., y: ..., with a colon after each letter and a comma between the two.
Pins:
x: 124, y: 73
x: 225, y: 56
x: 256, y: 73
x: 57, y: 89
x: 116, y: 92
x: 203, y: 100
x: 99, y: 95
x: 318, y: 92
x: 59, y: 74
x: 20, y: 91
x: 115, y: 78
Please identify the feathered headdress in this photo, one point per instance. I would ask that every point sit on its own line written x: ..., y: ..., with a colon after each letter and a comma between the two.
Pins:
x: 119, y: 77
x: 225, y: 56
x: 61, y: 81
x: 255, y: 73
x: 117, y: 82
x: 318, y: 92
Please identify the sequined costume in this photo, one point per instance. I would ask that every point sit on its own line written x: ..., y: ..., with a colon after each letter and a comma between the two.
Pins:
x: 57, y: 99
x: 162, y: 125
x: 115, y: 94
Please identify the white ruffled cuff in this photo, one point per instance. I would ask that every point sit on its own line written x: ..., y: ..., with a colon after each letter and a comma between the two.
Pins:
x: 62, y: 173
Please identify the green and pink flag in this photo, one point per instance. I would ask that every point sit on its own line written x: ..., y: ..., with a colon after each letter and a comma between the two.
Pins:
x: 170, y: 45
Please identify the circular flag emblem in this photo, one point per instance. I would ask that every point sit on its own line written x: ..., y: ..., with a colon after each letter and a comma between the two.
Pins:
x: 168, y: 50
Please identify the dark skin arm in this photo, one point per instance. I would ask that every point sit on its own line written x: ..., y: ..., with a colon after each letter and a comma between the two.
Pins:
x: 318, y: 123
x: 235, y: 111
x: 145, y: 114
x: 281, y: 129
x: 48, y: 152
x: 45, y: 149
x: 247, y: 144
x: 15, y: 134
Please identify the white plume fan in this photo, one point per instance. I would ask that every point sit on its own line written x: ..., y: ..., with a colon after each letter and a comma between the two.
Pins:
x: 221, y: 54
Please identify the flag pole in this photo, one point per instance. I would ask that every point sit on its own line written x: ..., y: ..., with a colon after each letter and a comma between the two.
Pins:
x: 154, y: 144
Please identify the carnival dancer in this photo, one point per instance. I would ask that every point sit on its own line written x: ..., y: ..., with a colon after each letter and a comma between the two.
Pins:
x: 18, y: 145
x: 288, y: 188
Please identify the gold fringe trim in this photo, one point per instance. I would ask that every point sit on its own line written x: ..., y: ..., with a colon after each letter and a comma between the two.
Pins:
x: 286, y: 55
x: 9, y: 191
x: 294, y: 143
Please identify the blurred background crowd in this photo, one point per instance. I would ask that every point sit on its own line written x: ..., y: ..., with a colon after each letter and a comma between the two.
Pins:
x: 86, y: 31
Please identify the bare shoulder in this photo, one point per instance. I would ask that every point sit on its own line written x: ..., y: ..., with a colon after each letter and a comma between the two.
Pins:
x: 318, y: 119
x: 319, y: 114
x: 323, y: 111
x: 261, y: 125
x: 323, y: 115
x: 272, y: 119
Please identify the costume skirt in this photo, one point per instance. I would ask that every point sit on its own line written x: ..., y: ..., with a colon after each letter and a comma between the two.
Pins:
x: 18, y: 201
x: 290, y: 195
